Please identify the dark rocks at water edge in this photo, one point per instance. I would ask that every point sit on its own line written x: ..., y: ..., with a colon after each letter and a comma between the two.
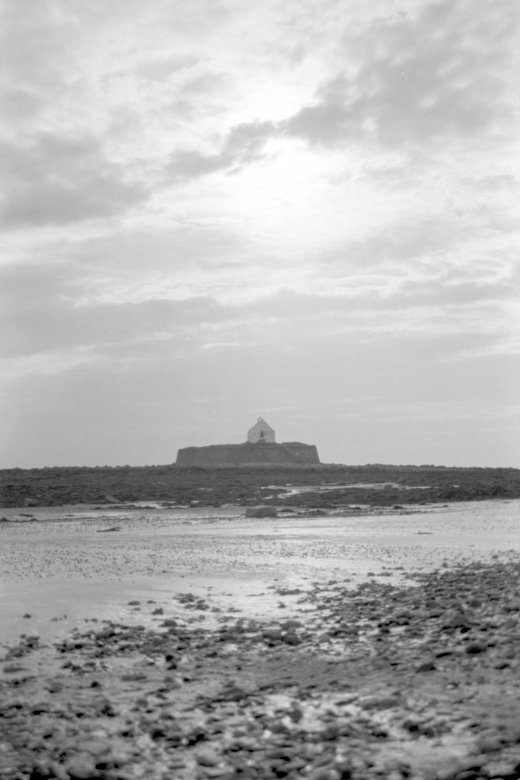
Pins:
x: 255, y: 485
x: 418, y: 682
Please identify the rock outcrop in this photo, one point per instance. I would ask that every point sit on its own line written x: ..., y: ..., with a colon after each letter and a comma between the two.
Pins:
x: 262, y: 510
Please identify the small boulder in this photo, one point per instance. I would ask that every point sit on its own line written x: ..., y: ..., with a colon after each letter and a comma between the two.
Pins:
x: 291, y: 638
x: 425, y: 666
x: 272, y: 634
x: 488, y: 741
x: 500, y: 769
x: 207, y: 757
x: 474, y: 648
x: 261, y: 511
x: 455, y: 619
x: 82, y: 767
x: 383, y: 702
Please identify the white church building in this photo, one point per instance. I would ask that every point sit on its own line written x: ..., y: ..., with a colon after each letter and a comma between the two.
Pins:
x: 260, y: 433
x: 289, y: 453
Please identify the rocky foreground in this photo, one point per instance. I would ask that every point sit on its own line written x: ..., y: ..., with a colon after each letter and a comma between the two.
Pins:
x: 383, y: 681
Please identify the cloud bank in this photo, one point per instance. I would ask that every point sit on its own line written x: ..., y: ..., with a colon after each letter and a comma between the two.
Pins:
x: 211, y: 212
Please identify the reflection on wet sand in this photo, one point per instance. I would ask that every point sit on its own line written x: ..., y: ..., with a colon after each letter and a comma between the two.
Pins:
x: 62, y: 565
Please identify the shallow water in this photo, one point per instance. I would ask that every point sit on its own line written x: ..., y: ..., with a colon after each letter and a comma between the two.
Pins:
x: 295, y: 490
x: 63, y: 566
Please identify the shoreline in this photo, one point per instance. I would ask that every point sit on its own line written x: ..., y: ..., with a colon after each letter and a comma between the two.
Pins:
x: 380, y: 680
x: 200, y: 643
x: 73, y: 562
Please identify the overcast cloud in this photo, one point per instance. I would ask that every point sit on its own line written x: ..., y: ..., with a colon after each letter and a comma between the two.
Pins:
x: 304, y: 210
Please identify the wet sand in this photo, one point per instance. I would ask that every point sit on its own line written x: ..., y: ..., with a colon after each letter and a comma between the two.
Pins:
x: 57, y: 562
x: 195, y: 643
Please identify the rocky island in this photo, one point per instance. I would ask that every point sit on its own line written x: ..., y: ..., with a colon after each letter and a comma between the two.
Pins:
x: 260, y: 449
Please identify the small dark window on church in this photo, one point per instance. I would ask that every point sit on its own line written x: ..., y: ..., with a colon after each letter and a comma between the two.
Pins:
x: 261, y: 434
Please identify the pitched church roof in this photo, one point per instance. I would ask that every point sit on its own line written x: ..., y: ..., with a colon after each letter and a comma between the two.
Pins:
x: 261, y: 431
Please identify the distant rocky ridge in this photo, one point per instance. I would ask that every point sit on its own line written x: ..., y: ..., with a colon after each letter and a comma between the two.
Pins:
x: 286, y: 454
x: 371, y: 484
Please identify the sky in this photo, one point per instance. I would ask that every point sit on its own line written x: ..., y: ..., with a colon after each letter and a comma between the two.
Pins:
x: 213, y: 210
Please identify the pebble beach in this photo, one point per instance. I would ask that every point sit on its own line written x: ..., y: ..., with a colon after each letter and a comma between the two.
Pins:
x: 152, y: 643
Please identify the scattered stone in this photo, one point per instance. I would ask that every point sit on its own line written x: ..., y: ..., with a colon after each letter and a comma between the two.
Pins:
x: 291, y: 638
x: 380, y: 702
x: 425, y: 666
x: 261, y: 511
x: 501, y: 769
x: 474, y: 648
x: 455, y: 619
x: 207, y: 757
x: 340, y: 694
x: 488, y: 742
x: 14, y: 668
x: 272, y: 634
x: 82, y: 768
x: 512, y: 605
